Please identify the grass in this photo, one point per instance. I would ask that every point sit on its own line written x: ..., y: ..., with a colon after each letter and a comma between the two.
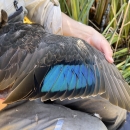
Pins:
x: 112, y: 19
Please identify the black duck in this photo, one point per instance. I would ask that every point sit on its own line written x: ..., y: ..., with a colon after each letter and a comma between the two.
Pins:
x: 34, y: 63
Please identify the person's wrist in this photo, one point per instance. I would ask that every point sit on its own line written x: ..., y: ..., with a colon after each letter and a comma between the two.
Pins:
x: 85, y: 32
x: 76, y: 29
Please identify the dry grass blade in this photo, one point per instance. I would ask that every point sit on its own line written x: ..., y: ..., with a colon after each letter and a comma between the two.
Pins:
x: 126, y: 13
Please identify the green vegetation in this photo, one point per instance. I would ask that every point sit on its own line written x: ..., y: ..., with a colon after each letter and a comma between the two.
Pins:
x: 112, y: 19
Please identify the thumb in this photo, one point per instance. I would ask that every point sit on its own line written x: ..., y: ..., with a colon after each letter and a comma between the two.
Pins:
x: 108, y: 53
x: 109, y: 58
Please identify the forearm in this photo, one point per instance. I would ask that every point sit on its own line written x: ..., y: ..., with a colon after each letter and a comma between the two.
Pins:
x: 73, y: 28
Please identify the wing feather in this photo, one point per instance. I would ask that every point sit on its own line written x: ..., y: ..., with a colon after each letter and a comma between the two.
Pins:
x: 39, y: 64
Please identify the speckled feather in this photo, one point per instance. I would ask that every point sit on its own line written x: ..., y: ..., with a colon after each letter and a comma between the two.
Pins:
x: 34, y: 63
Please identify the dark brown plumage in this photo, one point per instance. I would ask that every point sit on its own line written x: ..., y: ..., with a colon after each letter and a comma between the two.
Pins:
x: 31, y: 59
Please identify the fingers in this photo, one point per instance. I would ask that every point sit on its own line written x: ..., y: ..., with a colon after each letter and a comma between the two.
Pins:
x: 99, y: 42
x: 106, y: 49
x: 108, y: 55
x: 95, y: 39
x: 103, y: 45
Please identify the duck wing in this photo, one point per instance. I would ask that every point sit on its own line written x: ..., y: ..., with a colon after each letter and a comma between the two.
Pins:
x: 38, y: 64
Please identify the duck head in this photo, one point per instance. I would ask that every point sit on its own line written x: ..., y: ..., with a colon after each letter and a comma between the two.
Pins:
x: 3, y: 18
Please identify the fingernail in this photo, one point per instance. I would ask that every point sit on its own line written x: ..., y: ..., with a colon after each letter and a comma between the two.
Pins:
x: 111, y: 59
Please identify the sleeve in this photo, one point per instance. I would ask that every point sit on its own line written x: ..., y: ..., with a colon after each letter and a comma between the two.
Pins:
x: 46, y: 13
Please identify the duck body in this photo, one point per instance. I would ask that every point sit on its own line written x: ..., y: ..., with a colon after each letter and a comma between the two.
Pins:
x: 34, y: 63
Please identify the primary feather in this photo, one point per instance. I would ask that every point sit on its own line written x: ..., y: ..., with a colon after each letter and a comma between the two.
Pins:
x: 34, y: 63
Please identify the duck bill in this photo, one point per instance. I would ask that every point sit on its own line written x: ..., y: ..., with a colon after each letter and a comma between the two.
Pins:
x: 3, y: 96
x: 2, y: 106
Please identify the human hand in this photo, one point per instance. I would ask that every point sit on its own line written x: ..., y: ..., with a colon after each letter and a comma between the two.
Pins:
x: 73, y: 28
x: 98, y: 41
